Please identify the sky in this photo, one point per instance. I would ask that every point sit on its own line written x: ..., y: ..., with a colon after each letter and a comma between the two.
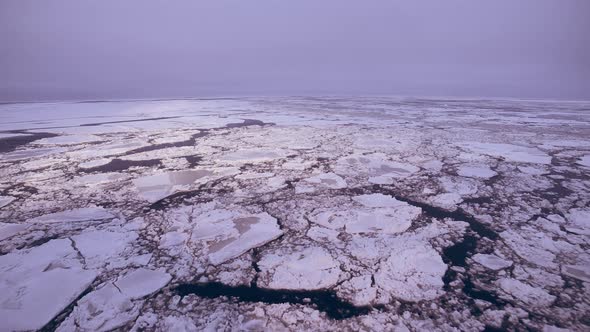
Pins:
x: 112, y: 49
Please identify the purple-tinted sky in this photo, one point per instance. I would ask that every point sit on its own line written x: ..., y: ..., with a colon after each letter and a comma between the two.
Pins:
x: 141, y: 48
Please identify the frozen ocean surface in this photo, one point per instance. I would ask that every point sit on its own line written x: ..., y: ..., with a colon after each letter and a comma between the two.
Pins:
x: 295, y: 214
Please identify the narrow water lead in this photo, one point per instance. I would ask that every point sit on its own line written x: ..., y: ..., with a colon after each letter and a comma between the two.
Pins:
x: 323, y: 300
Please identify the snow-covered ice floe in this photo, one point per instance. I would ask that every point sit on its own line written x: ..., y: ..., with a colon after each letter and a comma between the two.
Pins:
x: 228, y: 234
x: 37, y: 284
x: 289, y: 214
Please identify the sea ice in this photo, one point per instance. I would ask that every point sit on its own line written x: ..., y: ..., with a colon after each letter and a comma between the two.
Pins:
x: 104, y: 309
x: 476, y: 171
x: 393, y: 219
x: 5, y: 200
x: 584, y: 160
x: 252, y: 155
x: 228, y: 234
x: 97, y: 179
x: 375, y: 165
x: 37, y: 284
x: 94, y: 163
x: 492, y: 262
x: 7, y: 230
x: 91, y: 245
x: 155, y: 187
x: 579, y: 221
x: 510, y: 152
x: 447, y: 201
x: 413, y: 272
x: 532, y: 296
x: 580, y: 272
x: 379, y: 200
x: 75, y: 215
x: 329, y: 180
x: 69, y: 140
x: 142, y: 282
x: 311, y: 268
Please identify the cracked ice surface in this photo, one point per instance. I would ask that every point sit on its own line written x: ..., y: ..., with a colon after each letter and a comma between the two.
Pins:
x: 295, y: 214
x: 227, y: 234
x: 37, y: 284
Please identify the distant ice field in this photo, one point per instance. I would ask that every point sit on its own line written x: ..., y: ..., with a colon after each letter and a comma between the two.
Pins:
x: 295, y: 213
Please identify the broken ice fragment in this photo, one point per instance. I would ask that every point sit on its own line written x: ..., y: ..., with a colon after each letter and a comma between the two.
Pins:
x: 81, y: 214
x: 492, y: 262
x: 37, y: 284
x: 476, y: 171
x: 5, y: 200
x: 412, y: 273
x: 8, y: 230
x: 229, y: 234
x: 579, y: 221
x: 155, y: 187
x: 510, y: 152
x: 580, y: 272
x: 378, y: 200
x: 92, y: 246
x: 311, y: 268
x: 532, y: 296
x: 142, y: 282
x: 329, y: 180
x: 584, y: 160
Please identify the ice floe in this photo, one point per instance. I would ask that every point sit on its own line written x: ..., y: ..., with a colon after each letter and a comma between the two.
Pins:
x: 329, y: 180
x: 38, y: 283
x: 75, y: 215
x: 413, y: 272
x: 579, y: 221
x: 5, y: 200
x: 7, y: 230
x: 228, y: 234
x: 155, y: 187
x: 511, y: 152
x: 112, y: 306
x: 532, y: 296
x: 311, y: 268
x: 383, y: 214
x: 492, y: 262
x: 476, y: 171
x: 103, y: 247
x: 584, y: 160
x: 580, y: 272
x: 69, y: 140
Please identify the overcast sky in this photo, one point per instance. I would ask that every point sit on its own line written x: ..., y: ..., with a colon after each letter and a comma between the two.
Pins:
x: 141, y: 49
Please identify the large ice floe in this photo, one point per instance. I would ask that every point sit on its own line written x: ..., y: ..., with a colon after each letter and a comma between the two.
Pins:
x: 227, y: 234
x: 38, y: 283
x: 291, y: 214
